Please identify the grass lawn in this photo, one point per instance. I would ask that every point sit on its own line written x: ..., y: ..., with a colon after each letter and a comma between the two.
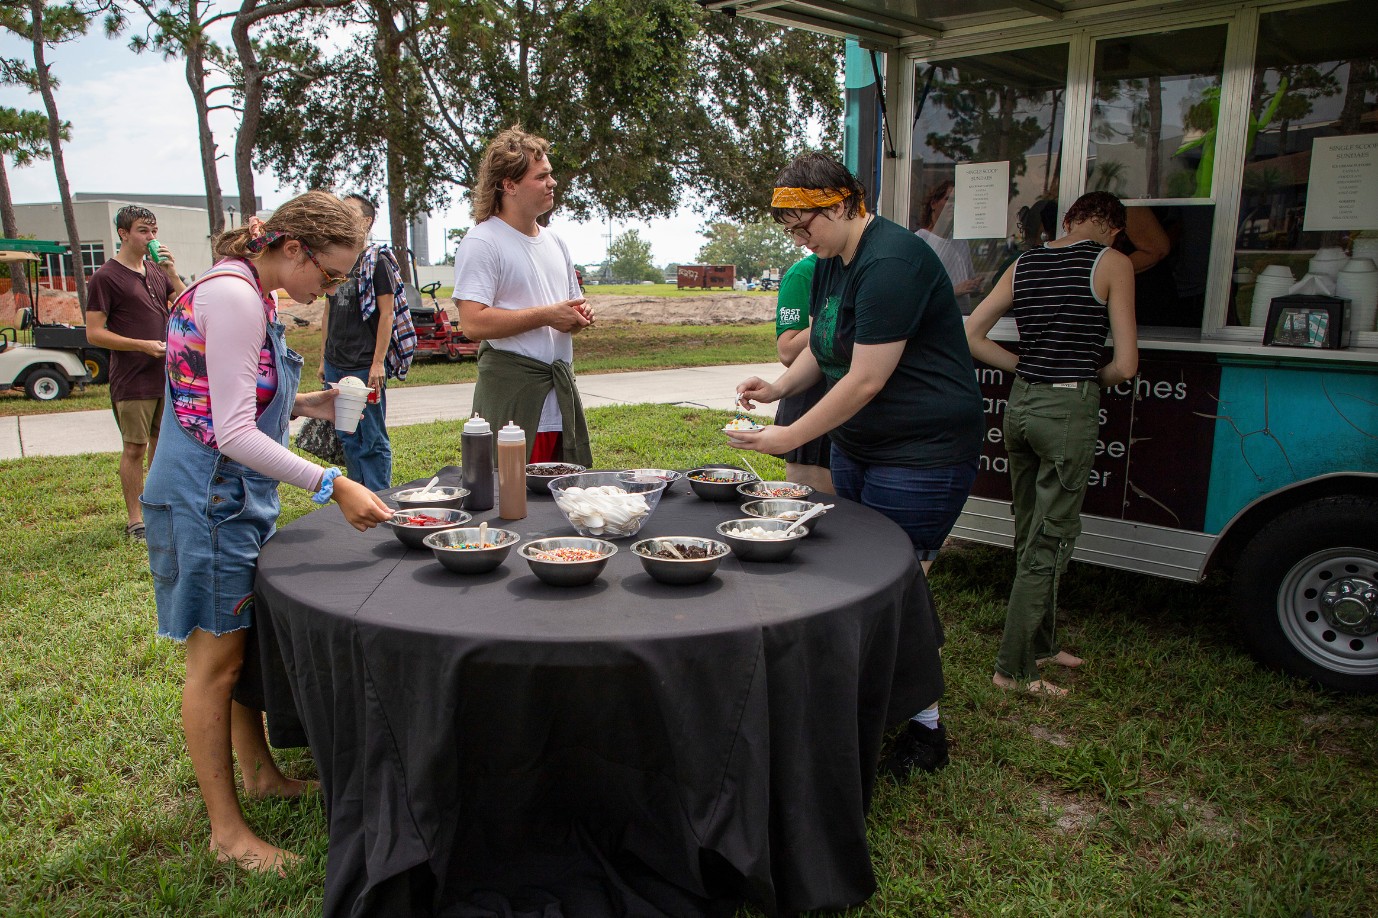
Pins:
x: 1177, y: 779
x: 612, y: 349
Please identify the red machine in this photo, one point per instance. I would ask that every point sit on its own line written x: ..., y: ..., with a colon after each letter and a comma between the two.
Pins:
x: 437, y: 335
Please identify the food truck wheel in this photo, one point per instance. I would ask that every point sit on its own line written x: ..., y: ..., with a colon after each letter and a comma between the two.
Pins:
x: 1306, y: 593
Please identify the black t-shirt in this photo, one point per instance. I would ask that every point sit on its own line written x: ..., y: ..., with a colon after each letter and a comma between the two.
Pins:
x: 351, y: 340
x: 929, y: 412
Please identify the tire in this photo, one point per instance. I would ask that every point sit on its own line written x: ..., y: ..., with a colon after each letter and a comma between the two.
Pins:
x: 1305, y: 593
x: 98, y: 365
x: 46, y: 385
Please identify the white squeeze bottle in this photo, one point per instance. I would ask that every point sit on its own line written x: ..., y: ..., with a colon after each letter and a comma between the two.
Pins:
x: 511, y: 472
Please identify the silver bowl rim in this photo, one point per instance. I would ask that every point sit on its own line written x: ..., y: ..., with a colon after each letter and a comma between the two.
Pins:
x: 460, y: 493
x: 675, y: 475
x: 636, y: 549
x: 465, y: 517
x: 508, y: 545
x: 536, y: 545
x: 749, y: 479
x: 759, y: 482
x: 574, y: 465
x: 757, y: 521
x: 797, y: 500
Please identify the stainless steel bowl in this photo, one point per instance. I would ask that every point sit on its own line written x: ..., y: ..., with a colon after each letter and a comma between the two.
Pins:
x: 761, y: 549
x: 678, y: 571
x: 567, y: 573
x: 414, y: 536
x: 718, y: 490
x: 760, y: 490
x: 449, y: 549
x: 669, y: 476
x: 782, y: 509
x: 539, y: 476
x: 450, y: 498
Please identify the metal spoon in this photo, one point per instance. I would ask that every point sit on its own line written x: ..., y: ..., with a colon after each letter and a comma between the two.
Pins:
x: 808, y: 515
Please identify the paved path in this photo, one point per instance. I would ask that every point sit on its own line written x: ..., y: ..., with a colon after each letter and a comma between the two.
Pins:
x: 75, y: 432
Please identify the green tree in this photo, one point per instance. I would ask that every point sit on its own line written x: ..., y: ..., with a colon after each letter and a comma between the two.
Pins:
x: 645, y: 101
x: 752, y: 247
x: 629, y: 258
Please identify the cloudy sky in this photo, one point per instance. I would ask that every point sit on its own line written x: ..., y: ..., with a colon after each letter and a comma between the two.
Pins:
x: 134, y: 130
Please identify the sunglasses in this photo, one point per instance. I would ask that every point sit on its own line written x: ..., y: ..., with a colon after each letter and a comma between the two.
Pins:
x: 800, y: 231
x: 331, y: 280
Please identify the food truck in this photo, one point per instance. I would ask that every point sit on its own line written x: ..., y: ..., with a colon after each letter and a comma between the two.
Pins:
x: 1243, y: 137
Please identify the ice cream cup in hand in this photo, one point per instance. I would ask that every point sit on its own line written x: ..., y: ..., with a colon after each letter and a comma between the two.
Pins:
x: 349, y: 403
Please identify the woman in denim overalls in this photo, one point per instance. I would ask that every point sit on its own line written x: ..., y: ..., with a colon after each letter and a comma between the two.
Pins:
x: 211, y: 498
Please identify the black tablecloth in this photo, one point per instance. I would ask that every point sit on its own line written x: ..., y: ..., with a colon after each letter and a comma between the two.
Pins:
x: 493, y: 745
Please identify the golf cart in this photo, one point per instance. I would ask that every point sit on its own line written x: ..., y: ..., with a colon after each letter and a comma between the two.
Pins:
x: 52, y: 335
x: 43, y: 373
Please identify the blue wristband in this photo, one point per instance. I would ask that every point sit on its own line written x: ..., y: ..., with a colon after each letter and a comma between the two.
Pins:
x: 327, y: 485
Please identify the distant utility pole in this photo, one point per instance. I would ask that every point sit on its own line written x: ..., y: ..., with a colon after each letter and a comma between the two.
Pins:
x: 607, y: 255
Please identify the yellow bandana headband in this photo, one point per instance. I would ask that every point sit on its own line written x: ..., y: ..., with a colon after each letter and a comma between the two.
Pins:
x: 811, y: 198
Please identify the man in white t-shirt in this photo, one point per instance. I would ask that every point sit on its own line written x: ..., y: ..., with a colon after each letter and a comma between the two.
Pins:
x: 517, y: 291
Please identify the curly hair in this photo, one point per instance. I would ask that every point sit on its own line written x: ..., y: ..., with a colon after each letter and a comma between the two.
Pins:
x: 1096, y: 205
x: 819, y: 171
x: 317, y: 218
x: 507, y: 156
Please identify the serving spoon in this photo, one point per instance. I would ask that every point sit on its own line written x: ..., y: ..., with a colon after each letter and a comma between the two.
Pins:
x: 808, y: 515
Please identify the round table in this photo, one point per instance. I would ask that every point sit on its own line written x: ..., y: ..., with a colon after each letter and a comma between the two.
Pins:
x: 623, y: 748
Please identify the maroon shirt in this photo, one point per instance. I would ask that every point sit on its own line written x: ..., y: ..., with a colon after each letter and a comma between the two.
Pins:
x: 135, y: 306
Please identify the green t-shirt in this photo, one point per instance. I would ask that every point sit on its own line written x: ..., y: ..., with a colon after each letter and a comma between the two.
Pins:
x: 792, y: 302
x: 929, y: 412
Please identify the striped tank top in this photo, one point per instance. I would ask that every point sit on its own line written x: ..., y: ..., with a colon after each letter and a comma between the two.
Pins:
x: 1062, y: 323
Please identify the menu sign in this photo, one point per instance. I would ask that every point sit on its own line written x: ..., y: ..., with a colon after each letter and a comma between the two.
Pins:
x: 983, y: 198
x: 1343, y: 189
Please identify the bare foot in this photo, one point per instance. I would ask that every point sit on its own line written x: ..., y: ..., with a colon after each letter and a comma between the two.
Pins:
x: 253, y: 853
x: 278, y: 785
x: 1062, y: 658
x: 1037, y: 687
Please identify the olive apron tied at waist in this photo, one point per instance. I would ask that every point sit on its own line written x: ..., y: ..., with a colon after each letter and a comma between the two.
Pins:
x: 513, y: 387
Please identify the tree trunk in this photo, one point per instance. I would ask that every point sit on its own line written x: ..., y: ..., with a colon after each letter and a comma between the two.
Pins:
x: 387, y: 50
x: 196, y: 82
x: 253, y: 108
x: 9, y: 224
x: 69, y: 213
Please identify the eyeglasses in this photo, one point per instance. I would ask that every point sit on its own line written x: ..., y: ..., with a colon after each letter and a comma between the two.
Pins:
x: 800, y: 231
x: 331, y: 280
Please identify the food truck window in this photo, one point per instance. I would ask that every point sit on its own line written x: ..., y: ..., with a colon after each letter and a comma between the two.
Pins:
x: 996, y: 108
x: 1315, y: 85
x: 1153, y: 111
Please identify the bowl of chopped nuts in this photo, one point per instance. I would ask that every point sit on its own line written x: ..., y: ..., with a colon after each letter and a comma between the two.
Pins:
x: 679, y: 560
x: 567, y: 560
x: 716, y: 483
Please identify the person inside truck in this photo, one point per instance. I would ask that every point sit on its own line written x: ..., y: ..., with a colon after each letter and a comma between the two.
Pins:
x: 1065, y: 296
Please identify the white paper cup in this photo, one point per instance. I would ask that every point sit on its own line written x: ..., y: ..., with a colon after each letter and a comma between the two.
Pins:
x: 349, y: 405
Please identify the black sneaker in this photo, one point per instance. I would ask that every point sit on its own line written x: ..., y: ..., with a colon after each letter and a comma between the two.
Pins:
x: 918, y: 747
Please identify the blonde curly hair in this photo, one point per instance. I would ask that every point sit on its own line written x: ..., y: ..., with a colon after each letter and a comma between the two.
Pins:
x: 507, y: 156
x: 317, y: 218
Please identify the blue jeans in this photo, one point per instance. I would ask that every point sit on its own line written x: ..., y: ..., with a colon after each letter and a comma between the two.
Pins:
x: 368, y: 451
x: 924, y: 502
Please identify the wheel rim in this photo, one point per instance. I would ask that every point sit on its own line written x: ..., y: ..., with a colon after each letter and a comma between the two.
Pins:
x: 1328, y: 609
x: 45, y: 389
x: 92, y: 366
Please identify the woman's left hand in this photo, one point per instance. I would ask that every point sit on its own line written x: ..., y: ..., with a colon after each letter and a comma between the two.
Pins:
x: 316, y: 404
x: 774, y: 440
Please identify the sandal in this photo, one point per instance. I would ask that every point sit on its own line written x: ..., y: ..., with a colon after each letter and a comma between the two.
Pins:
x: 1038, y: 688
x: 135, y: 531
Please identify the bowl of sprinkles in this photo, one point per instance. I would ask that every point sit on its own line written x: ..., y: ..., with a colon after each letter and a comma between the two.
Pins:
x: 412, y: 526
x: 470, y: 550
x: 717, y: 484
x: 780, y: 490
x: 680, y: 560
x: 567, y: 560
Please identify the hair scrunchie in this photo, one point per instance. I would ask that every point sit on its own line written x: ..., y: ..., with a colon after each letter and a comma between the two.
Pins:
x: 259, y: 237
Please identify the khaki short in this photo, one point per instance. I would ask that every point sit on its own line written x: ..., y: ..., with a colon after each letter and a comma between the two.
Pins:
x: 138, y: 419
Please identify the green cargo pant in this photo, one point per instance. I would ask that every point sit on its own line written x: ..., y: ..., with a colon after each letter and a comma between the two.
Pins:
x: 1050, y: 434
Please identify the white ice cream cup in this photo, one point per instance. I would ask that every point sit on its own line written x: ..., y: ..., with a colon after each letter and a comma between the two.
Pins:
x: 349, y: 404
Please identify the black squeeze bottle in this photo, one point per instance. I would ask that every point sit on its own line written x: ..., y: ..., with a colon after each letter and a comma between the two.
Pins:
x: 476, y: 463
